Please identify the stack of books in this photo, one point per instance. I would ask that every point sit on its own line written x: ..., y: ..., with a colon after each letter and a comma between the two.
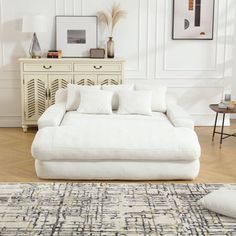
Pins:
x: 54, y: 54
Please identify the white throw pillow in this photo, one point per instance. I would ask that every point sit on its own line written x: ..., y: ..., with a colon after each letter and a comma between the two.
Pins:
x: 73, y: 96
x: 221, y: 201
x: 158, y: 96
x: 95, y: 102
x: 115, y: 89
x: 135, y: 102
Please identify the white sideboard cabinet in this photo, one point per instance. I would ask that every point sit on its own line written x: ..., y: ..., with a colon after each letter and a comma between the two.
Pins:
x: 41, y: 78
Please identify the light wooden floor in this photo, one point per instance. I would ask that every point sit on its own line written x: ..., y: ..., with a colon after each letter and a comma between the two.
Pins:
x: 17, y: 165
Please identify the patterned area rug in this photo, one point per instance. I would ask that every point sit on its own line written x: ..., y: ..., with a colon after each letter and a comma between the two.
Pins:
x: 109, y: 209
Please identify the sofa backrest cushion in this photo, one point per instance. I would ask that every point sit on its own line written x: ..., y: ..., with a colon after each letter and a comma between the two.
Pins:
x: 73, y: 95
x: 72, y: 98
x: 158, y: 96
x: 95, y: 102
x: 135, y: 102
x: 116, y: 89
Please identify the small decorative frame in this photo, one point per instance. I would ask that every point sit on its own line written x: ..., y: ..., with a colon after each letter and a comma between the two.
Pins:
x: 75, y: 35
x: 193, y: 19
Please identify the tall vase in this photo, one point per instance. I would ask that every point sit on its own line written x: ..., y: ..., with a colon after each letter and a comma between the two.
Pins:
x: 110, y: 48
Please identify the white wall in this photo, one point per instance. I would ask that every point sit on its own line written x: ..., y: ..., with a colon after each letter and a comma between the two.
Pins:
x: 234, y: 72
x: 196, y: 72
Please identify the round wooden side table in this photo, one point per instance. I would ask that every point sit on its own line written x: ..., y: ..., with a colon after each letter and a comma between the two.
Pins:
x: 223, y: 111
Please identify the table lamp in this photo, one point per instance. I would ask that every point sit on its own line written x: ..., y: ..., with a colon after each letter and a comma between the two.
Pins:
x: 34, y: 24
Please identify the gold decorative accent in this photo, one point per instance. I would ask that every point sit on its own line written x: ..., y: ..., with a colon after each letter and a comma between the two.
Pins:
x: 190, y: 5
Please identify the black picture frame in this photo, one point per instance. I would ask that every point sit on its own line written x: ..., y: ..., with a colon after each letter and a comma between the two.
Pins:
x: 173, y: 24
x: 65, y: 54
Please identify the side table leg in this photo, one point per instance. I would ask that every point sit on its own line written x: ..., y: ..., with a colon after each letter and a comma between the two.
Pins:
x: 222, y: 130
x: 214, y: 130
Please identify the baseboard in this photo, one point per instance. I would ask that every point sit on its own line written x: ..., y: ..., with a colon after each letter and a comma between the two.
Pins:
x: 209, y: 120
x: 10, y: 121
x: 199, y: 119
x: 233, y: 116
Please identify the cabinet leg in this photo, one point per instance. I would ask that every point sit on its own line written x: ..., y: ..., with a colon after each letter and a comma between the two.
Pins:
x: 25, y: 128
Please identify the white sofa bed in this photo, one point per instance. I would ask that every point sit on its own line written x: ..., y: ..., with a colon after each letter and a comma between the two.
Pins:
x: 70, y: 145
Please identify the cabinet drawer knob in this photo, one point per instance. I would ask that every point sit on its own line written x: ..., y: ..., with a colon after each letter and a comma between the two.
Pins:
x: 47, y: 67
x: 97, y: 67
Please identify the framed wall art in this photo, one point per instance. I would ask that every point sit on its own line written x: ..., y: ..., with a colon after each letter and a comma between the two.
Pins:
x: 76, y: 35
x: 193, y: 19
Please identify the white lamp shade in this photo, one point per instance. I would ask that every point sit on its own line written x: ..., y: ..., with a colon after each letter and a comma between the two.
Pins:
x: 34, y: 24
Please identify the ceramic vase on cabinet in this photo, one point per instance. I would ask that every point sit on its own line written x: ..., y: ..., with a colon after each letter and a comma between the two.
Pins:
x: 110, y: 48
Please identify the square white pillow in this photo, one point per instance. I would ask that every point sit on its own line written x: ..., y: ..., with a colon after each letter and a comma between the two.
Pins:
x: 158, y: 96
x: 220, y: 201
x: 73, y: 95
x: 135, y: 102
x: 116, y: 89
x: 95, y: 102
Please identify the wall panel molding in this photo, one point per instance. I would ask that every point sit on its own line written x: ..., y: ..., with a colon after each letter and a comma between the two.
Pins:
x: 151, y: 53
x: 9, y: 84
x: 140, y: 71
x: 164, y: 23
x: 10, y: 121
x: 14, y: 67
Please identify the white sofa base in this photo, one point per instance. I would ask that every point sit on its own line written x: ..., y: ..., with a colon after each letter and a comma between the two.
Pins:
x: 117, y: 170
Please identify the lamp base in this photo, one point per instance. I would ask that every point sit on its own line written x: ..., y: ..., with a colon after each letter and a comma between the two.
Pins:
x: 35, y: 57
x: 35, y: 50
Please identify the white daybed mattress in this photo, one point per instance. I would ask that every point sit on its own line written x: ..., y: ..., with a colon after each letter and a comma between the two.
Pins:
x: 73, y: 118
x: 98, y: 137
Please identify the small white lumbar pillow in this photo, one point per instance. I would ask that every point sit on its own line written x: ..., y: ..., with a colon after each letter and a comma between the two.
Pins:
x: 158, y: 96
x: 73, y: 96
x: 220, y: 201
x: 115, y: 89
x: 95, y: 102
x: 135, y: 102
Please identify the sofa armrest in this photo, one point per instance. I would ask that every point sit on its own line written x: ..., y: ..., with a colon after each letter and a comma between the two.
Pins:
x: 179, y: 117
x: 61, y: 95
x: 52, y: 116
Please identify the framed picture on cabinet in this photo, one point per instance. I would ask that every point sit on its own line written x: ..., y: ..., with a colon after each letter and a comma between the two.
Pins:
x: 193, y: 19
x: 76, y: 35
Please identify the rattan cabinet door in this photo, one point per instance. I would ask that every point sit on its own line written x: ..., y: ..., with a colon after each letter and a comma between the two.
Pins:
x: 56, y: 82
x: 35, y: 96
x: 109, y: 79
x: 85, y: 79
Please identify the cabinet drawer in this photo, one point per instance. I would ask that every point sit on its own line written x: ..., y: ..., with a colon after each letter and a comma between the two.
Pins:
x: 97, y: 67
x: 46, y: 67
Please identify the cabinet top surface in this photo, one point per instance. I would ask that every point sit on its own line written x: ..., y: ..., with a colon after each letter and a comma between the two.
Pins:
x: 72, y: 60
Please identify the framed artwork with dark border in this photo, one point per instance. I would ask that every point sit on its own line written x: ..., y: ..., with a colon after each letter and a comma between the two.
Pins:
x: 193, y: 19
x: 76, y: 35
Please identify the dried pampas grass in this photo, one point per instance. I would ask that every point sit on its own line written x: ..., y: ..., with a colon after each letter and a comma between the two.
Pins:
x: 104, y: 18
x: 110, y: 19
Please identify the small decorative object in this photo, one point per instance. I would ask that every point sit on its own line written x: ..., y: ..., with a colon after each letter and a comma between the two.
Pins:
x: 227, y: 97
x: 34, y: 24
x: 110, y: 19
x: 54, y: 54
x: 193, y: 19
x: 75, y: 35
x: 222, y: 105
x: 231, y: 105
x: 97, y: 53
